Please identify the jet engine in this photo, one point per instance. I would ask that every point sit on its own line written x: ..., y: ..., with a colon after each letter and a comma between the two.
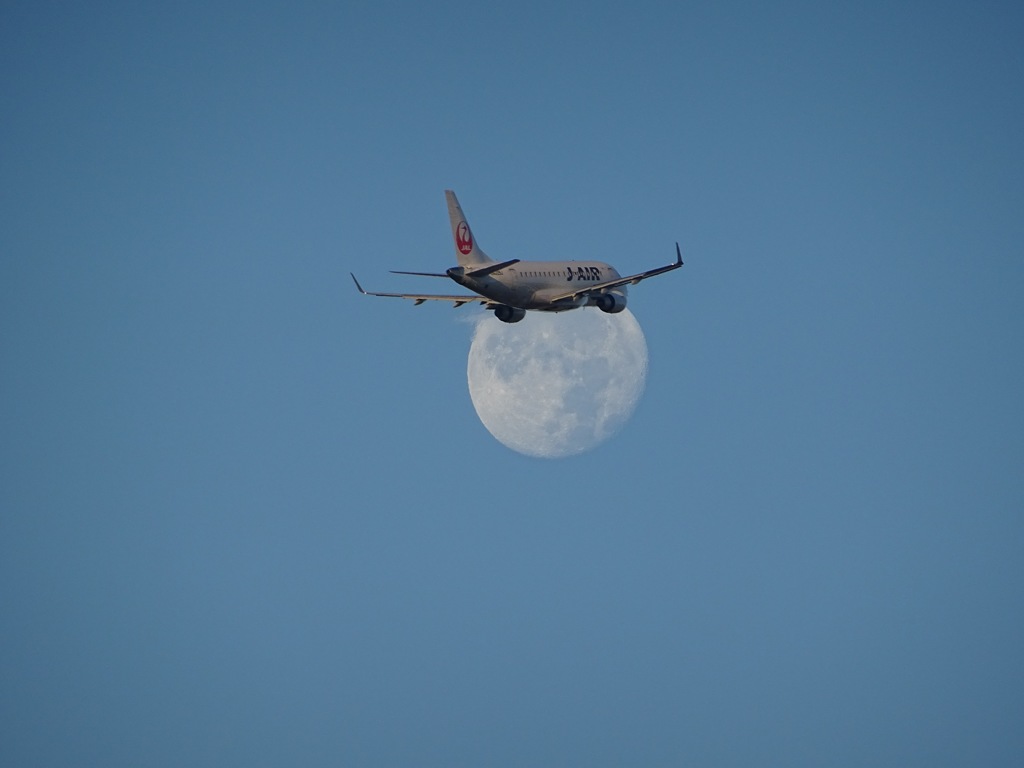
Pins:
x: 612, y: 303
x: 509, y: 314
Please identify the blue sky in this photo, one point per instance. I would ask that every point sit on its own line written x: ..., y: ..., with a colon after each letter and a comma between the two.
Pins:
x: 249, y: 517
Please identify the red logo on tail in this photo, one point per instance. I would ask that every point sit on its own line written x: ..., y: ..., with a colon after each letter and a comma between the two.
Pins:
x: 463, y: 237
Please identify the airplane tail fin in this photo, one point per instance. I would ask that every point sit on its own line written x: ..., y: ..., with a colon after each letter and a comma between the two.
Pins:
x: 467, y: 251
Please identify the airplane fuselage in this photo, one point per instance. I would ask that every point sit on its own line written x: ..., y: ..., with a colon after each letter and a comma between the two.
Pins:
x: 535, y: 285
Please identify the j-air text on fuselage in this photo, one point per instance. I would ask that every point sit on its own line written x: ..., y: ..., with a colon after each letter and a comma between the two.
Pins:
x: 510, y: 288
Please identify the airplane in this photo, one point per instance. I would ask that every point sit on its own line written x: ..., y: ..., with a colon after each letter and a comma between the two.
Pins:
x: 510, y: 288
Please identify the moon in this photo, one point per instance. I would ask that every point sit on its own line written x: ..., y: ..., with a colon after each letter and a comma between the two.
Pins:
x: 557, y: 384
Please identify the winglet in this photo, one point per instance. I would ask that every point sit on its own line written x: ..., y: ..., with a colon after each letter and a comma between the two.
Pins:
x: 358, y: 285
x: 679, y: 255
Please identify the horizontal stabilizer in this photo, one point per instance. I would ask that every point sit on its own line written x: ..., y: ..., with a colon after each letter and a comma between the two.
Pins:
x: 483, y: 271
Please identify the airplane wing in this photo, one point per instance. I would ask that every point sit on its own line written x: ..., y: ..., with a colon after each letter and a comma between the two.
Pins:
x: 419, y: 298
x: 631, y: 280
